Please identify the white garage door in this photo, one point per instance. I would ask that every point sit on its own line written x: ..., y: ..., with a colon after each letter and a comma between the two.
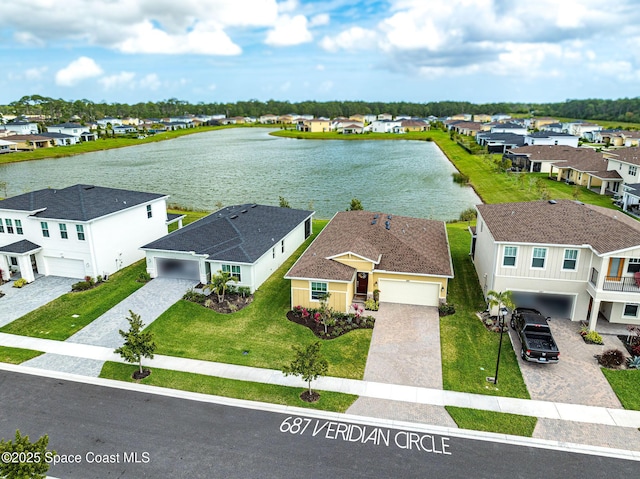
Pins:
x: 409, y: 292
x: 68, y: 268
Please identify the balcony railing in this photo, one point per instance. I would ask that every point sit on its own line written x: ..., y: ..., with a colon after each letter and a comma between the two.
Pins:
x: 623, y: 284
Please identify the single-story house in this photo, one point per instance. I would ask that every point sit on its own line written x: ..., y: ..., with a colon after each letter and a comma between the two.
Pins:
x: 249, y: 241
x: 406, y: 259
x: 565, y: 258
x: 8, y: 146
x: 78, y: 231
x: 61, y: 139
x: 551, y: 138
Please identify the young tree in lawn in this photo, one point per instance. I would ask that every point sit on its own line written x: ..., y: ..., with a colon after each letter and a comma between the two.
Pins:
x: 309, y: 364
x: 219, y: 283
x: 138, y: 344
x: 36, y: 468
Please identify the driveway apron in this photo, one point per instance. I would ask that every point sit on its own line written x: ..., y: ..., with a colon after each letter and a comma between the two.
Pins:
x: 19, y: 301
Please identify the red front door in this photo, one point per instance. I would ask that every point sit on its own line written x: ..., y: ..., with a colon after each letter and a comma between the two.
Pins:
x: 363, y: 282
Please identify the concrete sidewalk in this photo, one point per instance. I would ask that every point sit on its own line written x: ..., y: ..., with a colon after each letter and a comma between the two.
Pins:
x: 412, y: 394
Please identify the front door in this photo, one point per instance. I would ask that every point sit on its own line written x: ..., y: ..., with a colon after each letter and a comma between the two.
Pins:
x: 363, y: 282
x: 615, y: 269
x: 34, y: 264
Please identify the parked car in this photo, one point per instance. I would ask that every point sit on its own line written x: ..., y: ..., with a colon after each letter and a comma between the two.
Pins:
x: 535, y: 336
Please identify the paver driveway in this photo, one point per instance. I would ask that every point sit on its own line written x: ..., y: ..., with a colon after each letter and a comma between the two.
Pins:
x: 405, y: 346
x: 19, y: 301
x: 576, y: 378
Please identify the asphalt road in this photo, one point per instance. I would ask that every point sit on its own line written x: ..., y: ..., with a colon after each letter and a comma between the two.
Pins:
x: 176, y: 438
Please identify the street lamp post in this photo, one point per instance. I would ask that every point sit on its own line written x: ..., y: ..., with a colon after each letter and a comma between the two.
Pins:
x: 502, y: 315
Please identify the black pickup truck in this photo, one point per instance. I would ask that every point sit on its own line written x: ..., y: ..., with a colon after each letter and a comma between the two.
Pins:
x: 535, y: 336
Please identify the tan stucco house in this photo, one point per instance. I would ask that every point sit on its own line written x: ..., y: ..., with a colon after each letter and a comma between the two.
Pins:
x: 406, y: 259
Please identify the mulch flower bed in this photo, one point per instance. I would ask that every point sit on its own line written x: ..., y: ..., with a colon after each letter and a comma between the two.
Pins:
x: 137, y: 375
x: 232, y: 302
x: 492, y: 323
x: 310, y: 396
x: 339, y: 324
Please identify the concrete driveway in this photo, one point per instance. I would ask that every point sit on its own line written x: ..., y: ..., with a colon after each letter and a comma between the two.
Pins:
x: 19, y: 301
x: 405, y: 346
x: 576, y: 378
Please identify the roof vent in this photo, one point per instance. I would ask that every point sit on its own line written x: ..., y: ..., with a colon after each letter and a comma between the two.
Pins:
x: 376, y: 216
x: 233, y: 217
x: 243, y: 211
x: 552, y: 202
x: 254, y: 205
x: 373, y: 222
x: 388, y: 217
x: 387, y: 224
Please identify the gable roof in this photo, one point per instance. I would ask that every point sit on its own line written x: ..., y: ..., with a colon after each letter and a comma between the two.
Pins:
x: 563, y: 156
x: 564, y: 222
x: 628, y: 155
x: 410, y: 245
x: 20, y: 247
x: 241, y: 233
x: 78, y: 202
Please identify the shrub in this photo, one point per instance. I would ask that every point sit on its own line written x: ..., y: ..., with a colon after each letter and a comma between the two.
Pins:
x: 244, y: 291
x: 612, y: 358
x: 371, y: 305
x: 194, y: 296
x: 636, y: 350
x: 19, y: 283
x: 143, y: 277
x: 81, y: 286
x: 593, y: 337
x: 469, y: 214
x: 634, y: 362
x: 460, y: 178
x: 446, y: 309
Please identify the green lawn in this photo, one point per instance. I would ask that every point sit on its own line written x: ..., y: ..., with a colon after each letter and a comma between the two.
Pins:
x: 469, y: 351
x: 493, y: 421
x: 332, y: 135
x: 190, y: 216
x: 54, y: 320
x: 626, y: 384
x: 262, y: 329
x: 17, y: 355
x: 288, y: 396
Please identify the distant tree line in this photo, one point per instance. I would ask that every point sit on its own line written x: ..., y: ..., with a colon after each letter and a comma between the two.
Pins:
x: 624, y: 109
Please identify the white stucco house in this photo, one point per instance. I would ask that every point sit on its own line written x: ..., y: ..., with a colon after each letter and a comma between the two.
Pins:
x: 78, y: 231
x: 249, y: 241
x: 551, y: 138
x: 565, y: 258
x: 626, y: 162
x: 69, y: 128
x: 22, y: 127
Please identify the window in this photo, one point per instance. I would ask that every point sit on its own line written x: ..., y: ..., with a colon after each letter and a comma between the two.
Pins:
x: 510, y: 253
x: 1, y: 227
x: 634, y: 265
x: 19, y: 227
x: 633, y: 170
x: 570, y: 259
x: 318, y: 290
x: 282, y: 245
x: 80, y: 231
x: 234, y: 270
x: 45, y: 229
x: 273, y: 252
x: 593, y: 278
x: 149, y: 213
x: 631, y: 310
x: 63, y: 231
x: 539, y: 255
x: 9, y: 226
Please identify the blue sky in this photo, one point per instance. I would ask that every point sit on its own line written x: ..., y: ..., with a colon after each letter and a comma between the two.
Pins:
x: 379, y: 50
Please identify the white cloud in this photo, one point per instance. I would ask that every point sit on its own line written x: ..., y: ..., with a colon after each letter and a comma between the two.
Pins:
x: 320, y: 19
x: 287, y: 6
x: 34, y: 74
x: 201, y: 40
x: 355, y: 38
x: 150, y: 82
x: 119, y: 80
x: 289, y: 31
x: 78, y: 70
x: 320, y: 67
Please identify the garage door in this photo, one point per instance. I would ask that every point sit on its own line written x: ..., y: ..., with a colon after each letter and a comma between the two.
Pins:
x: 68, y: 268
x: 178, y: 268
x: 409, y: 292
x: 554, y: 305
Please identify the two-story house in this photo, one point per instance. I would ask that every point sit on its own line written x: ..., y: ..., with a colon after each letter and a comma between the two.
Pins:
x: 79, y: 231
x: 626, y: 162
x: 69, y: 128
x: 565, y: 258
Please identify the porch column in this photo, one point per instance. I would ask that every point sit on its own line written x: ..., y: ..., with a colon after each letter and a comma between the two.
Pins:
x: 4, y: 267
x: 593, y: 317
x: 589, y: 183
x: 26, y: 271
x: 603, y: 187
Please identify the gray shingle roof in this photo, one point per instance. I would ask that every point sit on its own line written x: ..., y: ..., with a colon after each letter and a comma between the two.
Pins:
x: 565, y: 223
x: 19, y: 247
x: 78, y: 202
x: 241, y: 233
x: 410, y: 245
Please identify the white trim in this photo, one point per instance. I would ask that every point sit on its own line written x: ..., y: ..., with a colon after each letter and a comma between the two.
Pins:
x: 544, y: 258
x: 426, y: 275
x: 624, y: 306
x: 311, y: 289
x: 575, y: 269
x: 356, y: 255
x: 515, y: 263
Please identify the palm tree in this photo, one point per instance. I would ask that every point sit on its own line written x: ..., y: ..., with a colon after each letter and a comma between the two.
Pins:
x: 219, y: 282
x: 500, y: 299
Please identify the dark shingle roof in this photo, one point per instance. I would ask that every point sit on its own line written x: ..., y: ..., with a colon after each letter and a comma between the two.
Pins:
x: 566, y: 222
x: 19, y: 247
x: 78, y: 202
x: 68, y: 125
x: 628, y: 155
x: 53, y: 134
x: 410, y: 245
x: 241, y: 233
